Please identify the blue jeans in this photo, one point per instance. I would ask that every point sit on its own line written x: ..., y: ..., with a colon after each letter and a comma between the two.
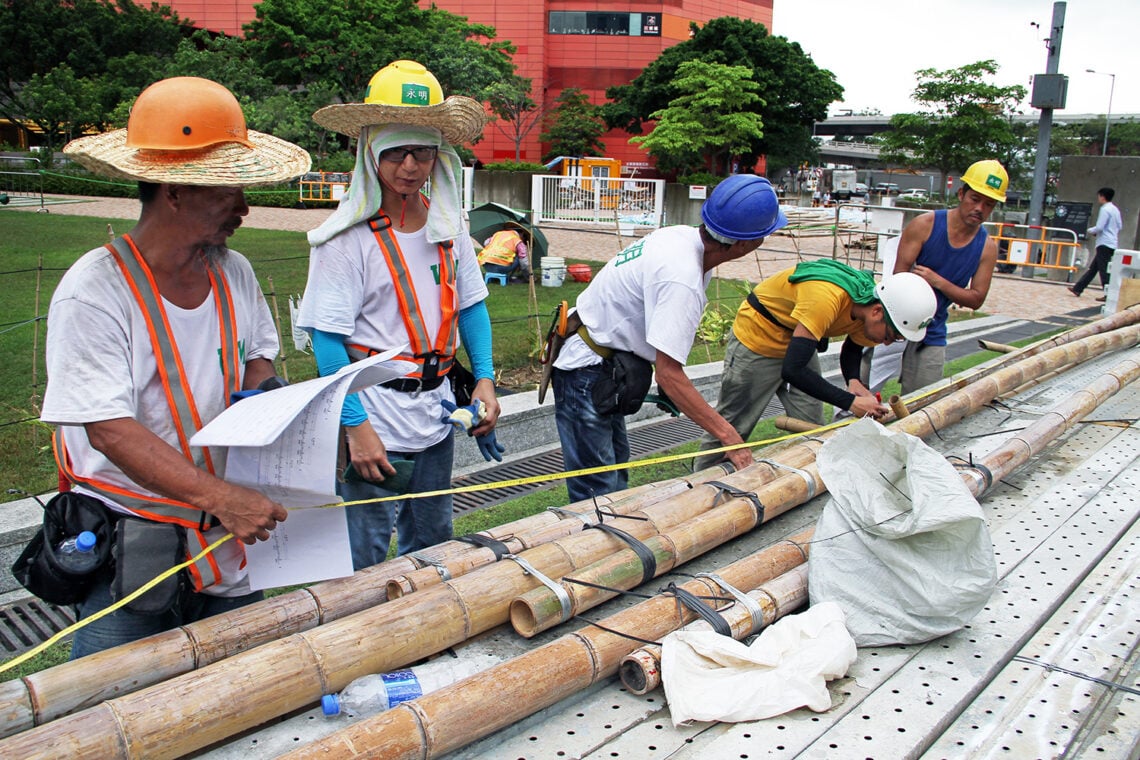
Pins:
x: 419, y: 522
x: 124, y: 626
x: 588, y: 438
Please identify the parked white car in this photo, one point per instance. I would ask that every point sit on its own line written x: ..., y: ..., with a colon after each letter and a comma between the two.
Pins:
x: 914, y: 194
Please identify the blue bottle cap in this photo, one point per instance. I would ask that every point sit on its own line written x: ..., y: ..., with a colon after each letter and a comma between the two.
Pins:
x: 330, y: 705
x: 85, y: 541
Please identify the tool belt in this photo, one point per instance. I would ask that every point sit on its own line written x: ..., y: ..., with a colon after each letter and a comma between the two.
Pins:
x: 434, y: 368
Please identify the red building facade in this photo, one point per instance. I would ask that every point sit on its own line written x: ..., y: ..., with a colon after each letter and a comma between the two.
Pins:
x: 560, y: 43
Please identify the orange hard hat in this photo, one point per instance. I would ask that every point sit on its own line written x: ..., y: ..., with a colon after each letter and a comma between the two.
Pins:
x: 185, y: 113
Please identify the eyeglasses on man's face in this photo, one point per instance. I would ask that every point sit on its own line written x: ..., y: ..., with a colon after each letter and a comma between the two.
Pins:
x: 421, y: 153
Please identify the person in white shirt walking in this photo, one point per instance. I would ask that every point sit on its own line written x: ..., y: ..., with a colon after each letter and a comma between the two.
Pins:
x: 1107, y: 231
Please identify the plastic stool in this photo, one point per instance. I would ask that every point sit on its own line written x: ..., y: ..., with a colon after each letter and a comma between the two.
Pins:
x: 502, y: 278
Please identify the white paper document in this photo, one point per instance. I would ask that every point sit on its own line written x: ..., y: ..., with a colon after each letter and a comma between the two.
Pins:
x: 284, y: 444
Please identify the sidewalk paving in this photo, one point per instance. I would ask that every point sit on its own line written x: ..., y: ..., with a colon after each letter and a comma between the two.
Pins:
x: 1010, y: 295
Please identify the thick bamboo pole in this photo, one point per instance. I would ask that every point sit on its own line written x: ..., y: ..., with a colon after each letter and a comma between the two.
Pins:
x: 540, y: 609
x: 898, y: 407
x: 434, y: 725
x: 640, y: 670
x: 1000, y: 348
x: 404, y: 643
x: 793, y: 424
x: 452, y: 717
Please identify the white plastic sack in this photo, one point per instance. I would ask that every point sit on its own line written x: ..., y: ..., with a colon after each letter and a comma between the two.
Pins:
x: 902, y: 545
x: 708, y: 676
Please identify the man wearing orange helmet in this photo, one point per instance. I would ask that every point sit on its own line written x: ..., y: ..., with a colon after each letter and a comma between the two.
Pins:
x: 952, y: 251
x: 148, y: 337
x: 390, y: 270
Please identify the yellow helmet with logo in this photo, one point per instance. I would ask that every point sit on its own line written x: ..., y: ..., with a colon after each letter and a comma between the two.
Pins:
x: 987, y: 177
x: 404, y: 83
x: 405, y: 92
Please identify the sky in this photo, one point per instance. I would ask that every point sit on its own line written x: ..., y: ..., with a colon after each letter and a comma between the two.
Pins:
x: 874, y: 46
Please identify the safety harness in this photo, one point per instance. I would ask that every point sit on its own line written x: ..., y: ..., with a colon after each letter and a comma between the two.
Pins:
x: 183, y: 410
x: 433, y: 358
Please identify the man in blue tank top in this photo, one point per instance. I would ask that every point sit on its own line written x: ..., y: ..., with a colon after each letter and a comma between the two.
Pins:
x: 952, y: 251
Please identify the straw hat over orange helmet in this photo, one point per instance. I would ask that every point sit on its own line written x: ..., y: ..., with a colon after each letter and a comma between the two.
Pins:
x: 189, y: 131
x: 404, y: 92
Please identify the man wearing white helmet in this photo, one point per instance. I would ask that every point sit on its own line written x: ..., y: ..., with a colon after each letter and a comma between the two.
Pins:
x: 951, y: 250
x: 642, y: 311
x: 788, y: 318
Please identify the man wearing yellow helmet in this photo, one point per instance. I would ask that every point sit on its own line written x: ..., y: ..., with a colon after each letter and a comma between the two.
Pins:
x: 390, y: 270
x: 952, y: 251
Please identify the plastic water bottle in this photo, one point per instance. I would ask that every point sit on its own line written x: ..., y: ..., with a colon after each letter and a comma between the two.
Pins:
x: 377, y: 692
x: 77, y: 553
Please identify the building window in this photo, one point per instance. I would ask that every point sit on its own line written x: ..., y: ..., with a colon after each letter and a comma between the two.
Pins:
x: 596, y: 22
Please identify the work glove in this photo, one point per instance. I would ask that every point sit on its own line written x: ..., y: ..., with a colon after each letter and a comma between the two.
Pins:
x: 489, y: 447
x: 463, y: 417
x: 268, y: 384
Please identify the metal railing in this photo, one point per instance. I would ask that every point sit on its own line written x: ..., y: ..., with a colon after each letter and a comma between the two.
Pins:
x: 1032, y: 245
x: 21, y: 182
x: 330, y: 187
x: 594, y: 200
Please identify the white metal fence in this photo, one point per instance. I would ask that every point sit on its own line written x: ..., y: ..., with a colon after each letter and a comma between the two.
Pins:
x: 594, y: 200
x: 21, y: 183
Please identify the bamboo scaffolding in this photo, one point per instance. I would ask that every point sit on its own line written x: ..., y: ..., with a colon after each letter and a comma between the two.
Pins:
x: 640, y: 670
x: 540, y: 609
x: 455, y: 716
x: 317, y: 660
x: 42, y: 697
x: 548, y: 673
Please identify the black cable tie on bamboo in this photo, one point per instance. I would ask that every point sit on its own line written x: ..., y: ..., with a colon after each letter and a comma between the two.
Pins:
x: 498, y: 547
x: 702, y: 610
x: 602, y: 514
x: 643, y: 552
x: 723, y: 489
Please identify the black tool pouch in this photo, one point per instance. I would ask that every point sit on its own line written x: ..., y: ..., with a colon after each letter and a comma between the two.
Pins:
x: 462, y: 383
x: 38, y: 569
x: 143, y: 550
x: 624, y: 384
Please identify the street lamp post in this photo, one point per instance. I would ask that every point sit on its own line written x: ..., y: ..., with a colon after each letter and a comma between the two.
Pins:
x: 1108, y: 115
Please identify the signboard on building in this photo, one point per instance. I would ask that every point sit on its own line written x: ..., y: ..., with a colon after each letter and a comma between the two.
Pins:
x: 650, y: 24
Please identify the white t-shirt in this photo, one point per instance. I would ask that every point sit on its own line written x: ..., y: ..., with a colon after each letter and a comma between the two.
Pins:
x: 648, y: 298
x: 350, y: 292
x: 101, y: 367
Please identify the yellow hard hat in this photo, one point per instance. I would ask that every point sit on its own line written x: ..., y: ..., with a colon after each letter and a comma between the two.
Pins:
x: 987, y: 177
x: 404, y: 83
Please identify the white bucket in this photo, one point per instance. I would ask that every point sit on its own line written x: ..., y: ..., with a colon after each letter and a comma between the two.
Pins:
x: 553, y: 271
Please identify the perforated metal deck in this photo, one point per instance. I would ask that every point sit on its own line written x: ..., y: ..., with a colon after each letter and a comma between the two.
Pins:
x: 1065, y: 536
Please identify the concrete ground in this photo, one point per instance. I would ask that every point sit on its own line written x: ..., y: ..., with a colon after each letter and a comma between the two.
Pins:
x: 1010, y: 295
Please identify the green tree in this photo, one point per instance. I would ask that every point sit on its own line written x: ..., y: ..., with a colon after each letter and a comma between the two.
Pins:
x: 1123, y: 137
x: 60, y: 104
x: 342, y: 44
x: 793, y: 92
x: 710, y: 121
x: 965, y: 118
x: 516, y: 110
x: 102, y: 42
x: 574, y: 126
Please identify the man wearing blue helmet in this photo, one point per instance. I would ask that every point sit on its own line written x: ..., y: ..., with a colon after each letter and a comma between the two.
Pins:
x: 641, y: 312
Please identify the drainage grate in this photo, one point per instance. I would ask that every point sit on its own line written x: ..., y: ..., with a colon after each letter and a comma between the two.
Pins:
x: 643, y: 441
x: 25, y: 624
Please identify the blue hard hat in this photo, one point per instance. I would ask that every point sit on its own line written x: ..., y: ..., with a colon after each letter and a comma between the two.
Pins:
x: 743, y: 207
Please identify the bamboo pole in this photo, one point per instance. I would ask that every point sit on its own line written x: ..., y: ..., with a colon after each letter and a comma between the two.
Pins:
x: 277, y: 324
x: 457, y: 715
x: 450, y: 718
x: 794, y: 425
x: 898, y: 406
x: 1001, y: 348
x: 404, y: 642
x: 640, y: 670
x: 540, y: 609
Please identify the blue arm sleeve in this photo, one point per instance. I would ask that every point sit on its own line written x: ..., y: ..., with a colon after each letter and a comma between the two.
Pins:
x: 475, y: 332
x: 331, y: 356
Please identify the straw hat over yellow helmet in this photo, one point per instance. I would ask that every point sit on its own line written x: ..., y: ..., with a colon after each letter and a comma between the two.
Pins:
x: 404, y: 92
x: 189, y: 131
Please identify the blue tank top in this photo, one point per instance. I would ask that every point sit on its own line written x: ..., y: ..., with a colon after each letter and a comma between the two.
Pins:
x: 955, y: 264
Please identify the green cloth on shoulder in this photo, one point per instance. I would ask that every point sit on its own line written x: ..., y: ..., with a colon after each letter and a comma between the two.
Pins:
x: 860, y: 285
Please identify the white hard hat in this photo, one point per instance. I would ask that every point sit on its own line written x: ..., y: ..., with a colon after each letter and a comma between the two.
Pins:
x: 909, y: 302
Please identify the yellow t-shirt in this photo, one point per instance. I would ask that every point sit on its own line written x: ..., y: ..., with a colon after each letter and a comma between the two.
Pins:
x: 822, y: 307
